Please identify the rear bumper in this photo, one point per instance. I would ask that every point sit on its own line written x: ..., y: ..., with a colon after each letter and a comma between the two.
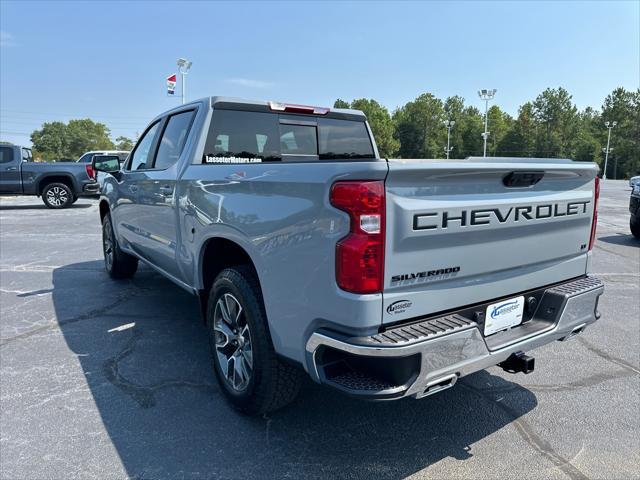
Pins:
x: 427, y: 356
x: 91, y: 189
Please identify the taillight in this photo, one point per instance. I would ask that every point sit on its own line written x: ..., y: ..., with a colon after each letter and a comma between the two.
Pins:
x: 594, y: 222
x: 90, y: 171
x: 360, y: 255
x: 294, y: 108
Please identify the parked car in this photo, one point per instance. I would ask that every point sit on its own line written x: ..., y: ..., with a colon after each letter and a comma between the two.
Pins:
x: 634, y: 181
x: 380, y: 278
x: 634, y: 209
x: 88, y: 156
x: 59, y: 184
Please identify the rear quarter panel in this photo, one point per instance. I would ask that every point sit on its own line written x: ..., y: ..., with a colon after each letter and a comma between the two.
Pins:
x: 281, y: 215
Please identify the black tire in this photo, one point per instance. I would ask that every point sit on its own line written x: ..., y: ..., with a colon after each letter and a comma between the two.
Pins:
x: 57, y: 195
x: 634, y: 226
x: 117, y: 263
x: 270, y: 383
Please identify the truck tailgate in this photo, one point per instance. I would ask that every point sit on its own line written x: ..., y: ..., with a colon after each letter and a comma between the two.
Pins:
x: 463, y: 232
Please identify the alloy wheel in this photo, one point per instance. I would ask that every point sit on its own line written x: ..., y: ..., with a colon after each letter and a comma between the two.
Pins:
x: 57, y: 196
x: 107, y: 246
x: 233, y: 342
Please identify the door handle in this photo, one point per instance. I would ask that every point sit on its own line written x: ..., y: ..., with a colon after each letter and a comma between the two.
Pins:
x: 12, y: 169
x: 166, y: 190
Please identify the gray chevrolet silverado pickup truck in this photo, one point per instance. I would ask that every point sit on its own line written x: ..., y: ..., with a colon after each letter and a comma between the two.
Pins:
x: 380, y: 278
x: 59, y: 183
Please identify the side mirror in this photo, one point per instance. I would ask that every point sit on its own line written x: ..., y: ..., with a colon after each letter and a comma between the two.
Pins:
x: 106, y: 163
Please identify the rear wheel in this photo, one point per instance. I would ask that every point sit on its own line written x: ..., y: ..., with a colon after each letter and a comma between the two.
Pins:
x: 252, y: 377
x: 117, y: 263
x: 57, y: 195
x: 634, y: 225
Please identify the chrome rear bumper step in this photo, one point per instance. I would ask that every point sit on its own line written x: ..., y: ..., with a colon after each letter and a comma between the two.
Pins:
x: 427, y: 356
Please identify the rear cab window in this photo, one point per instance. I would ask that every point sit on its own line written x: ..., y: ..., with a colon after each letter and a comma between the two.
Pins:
x: 237, y: 136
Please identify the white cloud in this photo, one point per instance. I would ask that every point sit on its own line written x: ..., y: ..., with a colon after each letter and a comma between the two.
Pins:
x: 247, y: 82
x: 7, y: 40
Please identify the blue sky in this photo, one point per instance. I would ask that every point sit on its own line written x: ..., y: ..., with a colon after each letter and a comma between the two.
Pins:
x: 109, y: 60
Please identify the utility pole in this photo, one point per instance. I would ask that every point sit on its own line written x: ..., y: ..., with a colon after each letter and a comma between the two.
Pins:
x: 184, y: 65
x: 486, y: 95
x: 449, y: 124
x: 610, y: 126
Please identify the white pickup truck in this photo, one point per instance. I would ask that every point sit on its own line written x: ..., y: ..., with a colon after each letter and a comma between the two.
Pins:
x: 380, y: 278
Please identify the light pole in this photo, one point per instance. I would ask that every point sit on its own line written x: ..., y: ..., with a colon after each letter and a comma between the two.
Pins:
x: 184, y: 65
x: 610, y: 126
x: 449, y: 124
x: 486, y: 95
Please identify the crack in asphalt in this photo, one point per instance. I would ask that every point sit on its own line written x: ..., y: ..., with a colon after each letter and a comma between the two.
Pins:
x: 610, y: 358
x: 586, y: 382
x: 144, y: 395
x: 529, y: 435
x: 612, y: 252
x: 123, y: 297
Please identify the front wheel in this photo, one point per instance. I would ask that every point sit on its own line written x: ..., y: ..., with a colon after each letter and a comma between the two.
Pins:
x: 57, y: 195
x: 252, y: 377
x: 117, y: 263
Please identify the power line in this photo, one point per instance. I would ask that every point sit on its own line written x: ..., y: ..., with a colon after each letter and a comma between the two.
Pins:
x: 71, y: 114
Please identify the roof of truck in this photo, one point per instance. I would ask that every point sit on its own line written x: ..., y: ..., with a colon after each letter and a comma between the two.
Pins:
x: 234, y: 103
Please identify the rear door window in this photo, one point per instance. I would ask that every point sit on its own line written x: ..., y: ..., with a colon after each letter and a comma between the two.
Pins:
x: 142, y: 154
x: 6, y: 154
x: 173, y: 139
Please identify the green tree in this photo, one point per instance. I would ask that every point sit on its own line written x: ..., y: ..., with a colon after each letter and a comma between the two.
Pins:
x: 557, y: 119
x: 85, y: 135
x: 419, y: 127
x: 587, y: 146
x: 471, y: 127
x: 381, y: 124
x: 499, y: 125
x: 454, y: 111
x: 339, y: 103
x: 60, y: 141
x: 520, y: 140
x: 51, y: 141
x: 124, y: 143
x: 622, y: 106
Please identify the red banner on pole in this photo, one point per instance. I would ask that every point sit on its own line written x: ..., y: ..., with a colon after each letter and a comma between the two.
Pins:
x: 171, y: 84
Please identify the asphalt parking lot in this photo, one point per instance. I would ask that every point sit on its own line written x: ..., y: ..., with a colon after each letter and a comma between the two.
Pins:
x: 103, y: 379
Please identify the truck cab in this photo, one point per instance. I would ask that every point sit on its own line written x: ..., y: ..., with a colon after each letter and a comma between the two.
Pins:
x: 11, y: 158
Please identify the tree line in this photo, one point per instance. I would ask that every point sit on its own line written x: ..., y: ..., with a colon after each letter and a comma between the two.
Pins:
x: 60, y: 141
x: 549, y: 126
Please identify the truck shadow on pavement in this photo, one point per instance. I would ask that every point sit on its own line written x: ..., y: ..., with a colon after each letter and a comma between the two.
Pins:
x: 144, y: 352
x: 619, y: 239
